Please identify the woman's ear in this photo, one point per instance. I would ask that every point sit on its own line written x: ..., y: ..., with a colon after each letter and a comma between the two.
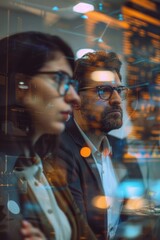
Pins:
x: 21, y: 85
x: 21, y: 82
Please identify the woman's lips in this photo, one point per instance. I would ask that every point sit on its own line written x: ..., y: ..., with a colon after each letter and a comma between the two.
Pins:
x: 66, y: 115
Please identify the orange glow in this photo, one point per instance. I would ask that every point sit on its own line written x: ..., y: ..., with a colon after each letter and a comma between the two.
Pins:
x: 146, y: 4
x: 101, y: 202
x: 140, y: 15
x: 135, y: 204
x: 85, y: 152
x: 129, y: 158
x: 95, y: 17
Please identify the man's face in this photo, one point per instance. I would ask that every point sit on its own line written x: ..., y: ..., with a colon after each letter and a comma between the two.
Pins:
x: 146, y: 112
x: 99, y: 114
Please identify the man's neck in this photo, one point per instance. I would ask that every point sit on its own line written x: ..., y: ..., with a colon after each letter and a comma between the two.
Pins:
x: 95, y: 135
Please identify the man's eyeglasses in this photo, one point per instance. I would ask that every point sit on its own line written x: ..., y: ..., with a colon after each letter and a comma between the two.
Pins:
x: 105, y: 92
x: 63, y: 81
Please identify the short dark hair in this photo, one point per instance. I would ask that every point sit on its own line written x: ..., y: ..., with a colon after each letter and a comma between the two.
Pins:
x: 97, y: 59
x: 26, y: 53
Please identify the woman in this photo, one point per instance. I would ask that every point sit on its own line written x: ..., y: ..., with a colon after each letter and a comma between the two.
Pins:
x: 36, y: 94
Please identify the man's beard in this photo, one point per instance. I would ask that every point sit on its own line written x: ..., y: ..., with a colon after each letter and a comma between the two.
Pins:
x: 106, y: 122
x: 111, y: 120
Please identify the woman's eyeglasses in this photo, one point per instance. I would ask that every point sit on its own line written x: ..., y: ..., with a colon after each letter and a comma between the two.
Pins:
x: 63, y: 81
x: 105, y: 92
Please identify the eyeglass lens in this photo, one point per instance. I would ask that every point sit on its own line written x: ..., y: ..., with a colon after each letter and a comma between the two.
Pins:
x: 107, y: 91
x: 64, y: 82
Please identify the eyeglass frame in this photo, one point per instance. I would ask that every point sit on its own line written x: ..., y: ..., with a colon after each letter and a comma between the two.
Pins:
x: 70, y: 81
x: 102, y: 87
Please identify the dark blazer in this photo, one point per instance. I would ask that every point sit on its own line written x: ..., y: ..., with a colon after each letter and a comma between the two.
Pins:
x: 17, y: 203
x: 83, y: 177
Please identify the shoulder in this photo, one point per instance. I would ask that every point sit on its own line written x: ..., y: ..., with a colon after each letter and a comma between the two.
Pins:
x: 71, y: 137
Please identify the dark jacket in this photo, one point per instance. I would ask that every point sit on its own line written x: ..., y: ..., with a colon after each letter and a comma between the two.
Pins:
x: 15, y: 196
x: 84, y: 179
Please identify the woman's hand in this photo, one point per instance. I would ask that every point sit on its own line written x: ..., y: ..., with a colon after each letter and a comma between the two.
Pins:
x: 29, y: 232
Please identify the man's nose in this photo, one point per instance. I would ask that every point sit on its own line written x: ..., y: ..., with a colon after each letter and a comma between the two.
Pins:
x: 72, y: 96
x: 115, y: 98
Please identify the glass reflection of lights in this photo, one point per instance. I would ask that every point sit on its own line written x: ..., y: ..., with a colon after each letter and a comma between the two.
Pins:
x: 83, y: 51
x: 131, y: 189
x: 155, y: 196
x: 101, y: 202
x: 85, y: 152
x: 83, y: 7
x: 100, y: 40
x: 55, y: 8
x: 103, y: 76
x: 84, y: 16
x: 131, y: 231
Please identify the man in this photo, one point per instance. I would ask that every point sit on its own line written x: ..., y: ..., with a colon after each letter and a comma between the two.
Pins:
x: 85, y: 152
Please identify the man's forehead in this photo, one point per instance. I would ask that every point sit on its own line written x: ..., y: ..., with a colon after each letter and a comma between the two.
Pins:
x: 102, y: 76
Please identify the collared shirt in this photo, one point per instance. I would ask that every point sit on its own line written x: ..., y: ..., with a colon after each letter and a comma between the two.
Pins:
x: 42, y: 191
x: 109, y: 181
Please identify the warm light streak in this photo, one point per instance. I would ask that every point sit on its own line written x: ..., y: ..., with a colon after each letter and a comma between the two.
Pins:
x: 140, y: 15
x: 135, y: 204
x: 94, y: 17
x: 145, y: 4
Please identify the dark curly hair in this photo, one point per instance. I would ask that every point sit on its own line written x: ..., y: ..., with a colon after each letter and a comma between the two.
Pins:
x: 98, y: 60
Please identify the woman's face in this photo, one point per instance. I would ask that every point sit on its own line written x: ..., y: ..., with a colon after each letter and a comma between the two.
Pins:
x: 48, y: 109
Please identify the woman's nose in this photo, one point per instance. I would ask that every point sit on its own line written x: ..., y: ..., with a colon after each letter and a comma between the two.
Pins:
x: 72, y: 96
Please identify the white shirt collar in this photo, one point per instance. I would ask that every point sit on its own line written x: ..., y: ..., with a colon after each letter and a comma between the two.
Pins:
x: 106, y: 144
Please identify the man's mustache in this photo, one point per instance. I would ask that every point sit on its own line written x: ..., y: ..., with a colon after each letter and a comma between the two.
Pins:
x: 113, y: 109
